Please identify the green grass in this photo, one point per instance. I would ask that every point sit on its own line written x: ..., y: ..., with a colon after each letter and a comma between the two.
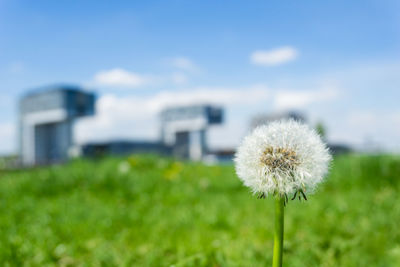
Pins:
x: 166, y: 213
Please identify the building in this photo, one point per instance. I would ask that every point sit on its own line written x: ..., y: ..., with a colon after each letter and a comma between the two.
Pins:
x: 262, y: 119
x: 124, y: 147
x: 265, y: 119
x: 338, y: 149
x: 184, y: 129
x: 46, y: 119
x: 183, y: 135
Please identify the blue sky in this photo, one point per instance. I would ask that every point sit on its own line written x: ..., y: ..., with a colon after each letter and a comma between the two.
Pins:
x: 338, y: 62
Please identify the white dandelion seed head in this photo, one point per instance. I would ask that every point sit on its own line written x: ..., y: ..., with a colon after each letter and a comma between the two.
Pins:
x: 282, y: 157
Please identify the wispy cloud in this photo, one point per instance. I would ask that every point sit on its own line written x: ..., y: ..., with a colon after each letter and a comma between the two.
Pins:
x: 179, y: 78
x: 16, y: 67
x: 119, y: 77
x: 184, y: 63
x: 217, y: 95
x: 274, y: 57
x: 371, y: 129
x: 295, y: 99
x: 136, y: 116
x: 7, y: 135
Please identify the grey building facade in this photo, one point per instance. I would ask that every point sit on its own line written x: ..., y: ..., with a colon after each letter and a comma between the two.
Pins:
x: 46, y: 122
x: 262, y: 119
x: 184, y: 129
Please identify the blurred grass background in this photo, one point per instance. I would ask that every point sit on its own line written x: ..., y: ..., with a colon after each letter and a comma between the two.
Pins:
x: 152, y: 211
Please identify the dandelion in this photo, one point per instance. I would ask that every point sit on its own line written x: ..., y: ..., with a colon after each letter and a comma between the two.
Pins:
x: 124, y: 167
x: 284, y: 158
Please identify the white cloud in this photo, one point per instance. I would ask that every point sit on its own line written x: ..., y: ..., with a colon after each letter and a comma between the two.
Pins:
x: 378, y: 130
x: 179, y: 78
x: 119, y: 77
x: 368, y: 130
x: 17, y: 67
x: 363, y: 118
x: 215, y: 95
x: 274, y: 57
x: 7, y: 137
x: 371, y: 121
x: 137, y: 116
x: 289, y: 99
x: 118, y: 117
x: 183, y: 63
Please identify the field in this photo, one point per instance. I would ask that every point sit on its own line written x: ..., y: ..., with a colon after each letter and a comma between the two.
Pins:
x: 152, y: 211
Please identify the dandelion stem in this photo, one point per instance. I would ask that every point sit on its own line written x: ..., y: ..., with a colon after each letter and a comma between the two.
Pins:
x: 278, y: 235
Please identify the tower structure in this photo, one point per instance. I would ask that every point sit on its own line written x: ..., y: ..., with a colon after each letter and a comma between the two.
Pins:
x: 46, y: 119
x: 184, y: 128
x: 262, y: 119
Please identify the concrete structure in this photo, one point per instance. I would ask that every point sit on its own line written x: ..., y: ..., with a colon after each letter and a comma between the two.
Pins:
x: 46, y: 118
x: 184, y: 129
x: 338, y: 149
x: 124, y: 147
x: 265, y: 119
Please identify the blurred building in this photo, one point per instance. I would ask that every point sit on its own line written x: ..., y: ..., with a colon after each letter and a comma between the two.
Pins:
x: 338, y: 149
x: 46, y: 118
x: 184, y: 129
x: 183, y: 135
x: 124, y: 147
x: 219, y: 156
x: 262, y: 119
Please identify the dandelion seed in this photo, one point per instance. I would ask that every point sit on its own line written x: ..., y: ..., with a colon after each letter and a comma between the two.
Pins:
x: 124, y: 167
x: 284, y: 157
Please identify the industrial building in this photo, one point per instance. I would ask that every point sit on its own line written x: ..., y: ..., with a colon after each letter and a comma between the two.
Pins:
x: 124, y: 147
x: 262, y: 119
x: 185, y: 129
x: 183, y: 134
x: 46, y: 117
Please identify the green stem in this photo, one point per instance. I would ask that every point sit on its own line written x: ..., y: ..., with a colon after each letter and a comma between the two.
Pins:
x: 278, y: 235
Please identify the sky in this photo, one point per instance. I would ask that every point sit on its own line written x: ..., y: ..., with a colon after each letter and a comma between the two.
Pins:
x: 337, y: 62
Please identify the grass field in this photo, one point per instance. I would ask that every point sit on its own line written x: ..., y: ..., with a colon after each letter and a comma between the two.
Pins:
x: 151, y: 211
